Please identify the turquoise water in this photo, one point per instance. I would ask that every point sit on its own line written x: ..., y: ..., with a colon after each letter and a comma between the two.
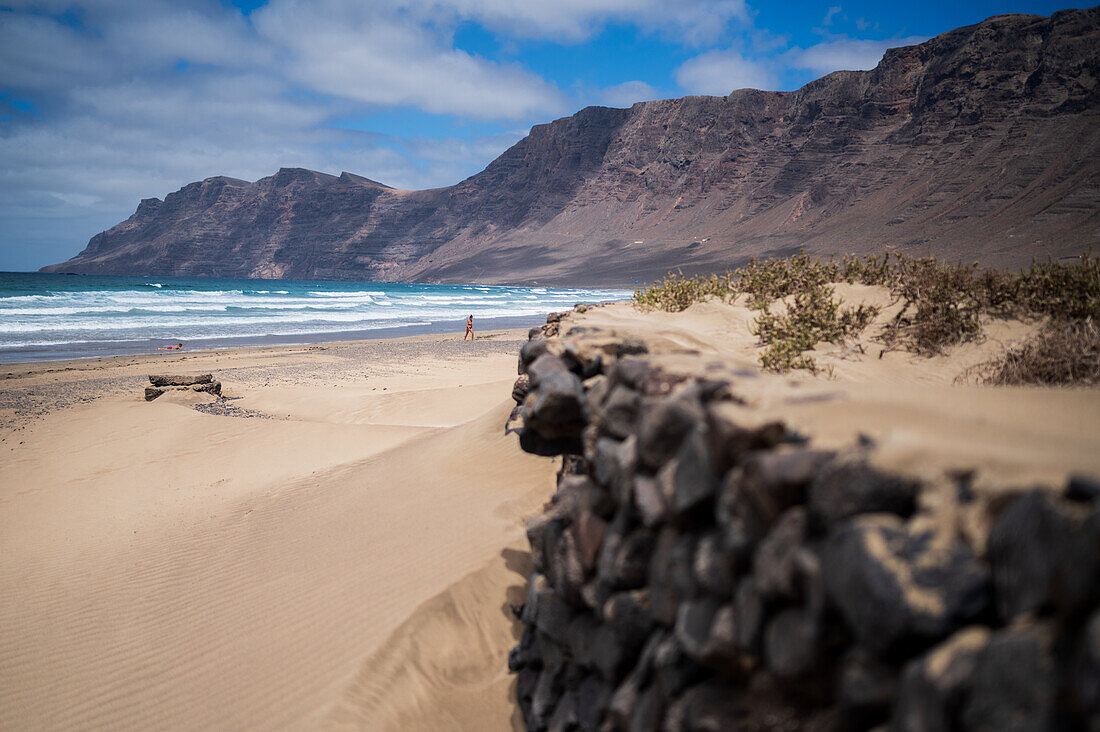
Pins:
x: 51, y: 316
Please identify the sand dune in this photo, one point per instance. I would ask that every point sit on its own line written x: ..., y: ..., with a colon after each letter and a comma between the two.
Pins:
x: 164, y: 568
x: 441, y: 669
x: 919, y: 410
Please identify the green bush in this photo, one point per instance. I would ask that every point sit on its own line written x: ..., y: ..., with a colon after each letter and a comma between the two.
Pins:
x: 812, y: 316
x: 772, y: 279
x: 676, y: 292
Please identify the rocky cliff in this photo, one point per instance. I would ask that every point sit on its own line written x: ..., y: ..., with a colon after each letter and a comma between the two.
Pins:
x: 982, y: 143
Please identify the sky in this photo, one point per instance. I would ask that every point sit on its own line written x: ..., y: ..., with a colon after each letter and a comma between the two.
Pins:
x: 105, y: 102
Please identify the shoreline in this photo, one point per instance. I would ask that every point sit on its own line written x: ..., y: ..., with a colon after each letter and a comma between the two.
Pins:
x: 358, y: 488
x: 130, y: 349
x: 82, y: 380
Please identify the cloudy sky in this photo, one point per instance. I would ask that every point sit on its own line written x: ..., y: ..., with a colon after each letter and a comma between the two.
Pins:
x: 105, y: 102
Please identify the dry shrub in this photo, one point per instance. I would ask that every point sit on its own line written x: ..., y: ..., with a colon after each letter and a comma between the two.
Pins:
x: 812, y: 316
x: 942, y: 304
x: 769, y: 280
x: 1065, y: 352
x: 1063, y: 290
x: 676, y: 292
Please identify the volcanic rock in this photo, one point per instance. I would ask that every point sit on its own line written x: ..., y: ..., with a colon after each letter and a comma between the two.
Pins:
x: 892, y: 581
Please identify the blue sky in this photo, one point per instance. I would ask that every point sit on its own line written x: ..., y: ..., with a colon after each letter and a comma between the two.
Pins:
x: 105, y: 102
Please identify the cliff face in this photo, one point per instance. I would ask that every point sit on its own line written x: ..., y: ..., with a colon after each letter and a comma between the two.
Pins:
x: 982, y: 143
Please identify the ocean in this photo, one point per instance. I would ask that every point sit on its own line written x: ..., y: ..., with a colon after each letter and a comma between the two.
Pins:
x: 52, y: 316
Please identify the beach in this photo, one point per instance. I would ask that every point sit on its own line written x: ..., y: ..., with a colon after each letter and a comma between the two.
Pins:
x: 335, y: 545
x: 339, y: 541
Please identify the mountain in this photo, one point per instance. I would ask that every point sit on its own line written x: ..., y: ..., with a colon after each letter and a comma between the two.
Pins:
x: 982, y: 143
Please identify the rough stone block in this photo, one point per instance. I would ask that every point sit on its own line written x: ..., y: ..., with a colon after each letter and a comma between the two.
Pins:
x: 553, y: 617
x: 729, y: 440
x: 706, y: 707
x: 520, y: 388
x: 893, y: 581
x: 648, y: 714
x: 649, y: 501
x: 554, y: 406
x: 620, y: 412
x: 565, y: 570
x: 630, y: 567
x: 663, y: 426
x: 845, y: 489
x: 1082, y: 487
x: 1014, y: 684
x: 526, y: 653
x: 631, y: 372
x: 1025, y: 548
x: 712, y: 566
x: 688, y: 480
x: 792, y: 644
x: 776, y: 480
x: 934, y: 687
x: 673, y: 670
x: 592, y: 700
x: 866, y: 689
x: 628, y: 615
x: 742, y: 525
x: 694, y: 619
x: 1085, y: 675
x: 749, y: 611
x: 533, y: 349
x: 775, y: 564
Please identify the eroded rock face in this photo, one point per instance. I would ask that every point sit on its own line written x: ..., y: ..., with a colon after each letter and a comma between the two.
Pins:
x: 950, y: 144
x: 695, y: 572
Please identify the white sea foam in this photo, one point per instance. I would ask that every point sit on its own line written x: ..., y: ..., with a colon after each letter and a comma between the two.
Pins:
x: 70, y: 312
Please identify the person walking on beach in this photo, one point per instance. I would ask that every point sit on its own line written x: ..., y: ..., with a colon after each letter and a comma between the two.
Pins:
x: 469, y: 328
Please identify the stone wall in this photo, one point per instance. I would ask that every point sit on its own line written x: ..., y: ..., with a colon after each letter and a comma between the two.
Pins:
x: 697, y: 572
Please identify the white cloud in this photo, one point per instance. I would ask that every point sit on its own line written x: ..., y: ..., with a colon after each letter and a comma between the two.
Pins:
x: 351, y: 52
x: 844, y: 54
x: 627, y: 93
x: 690, y: 21
x: 721, y: 72
x: 828, y: 19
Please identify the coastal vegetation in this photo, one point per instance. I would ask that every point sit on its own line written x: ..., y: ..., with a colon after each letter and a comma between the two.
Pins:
x: 935, y: 305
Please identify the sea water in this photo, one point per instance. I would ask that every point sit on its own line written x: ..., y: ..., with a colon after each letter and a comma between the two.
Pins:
x: 52, y: 316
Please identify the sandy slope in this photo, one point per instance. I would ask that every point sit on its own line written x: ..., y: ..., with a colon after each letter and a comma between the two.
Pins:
x: 348, y: 563
x: 922, y: 412
x: 165, y: 568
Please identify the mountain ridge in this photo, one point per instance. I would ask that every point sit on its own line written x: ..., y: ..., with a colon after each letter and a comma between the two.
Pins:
x: 981, y: 143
